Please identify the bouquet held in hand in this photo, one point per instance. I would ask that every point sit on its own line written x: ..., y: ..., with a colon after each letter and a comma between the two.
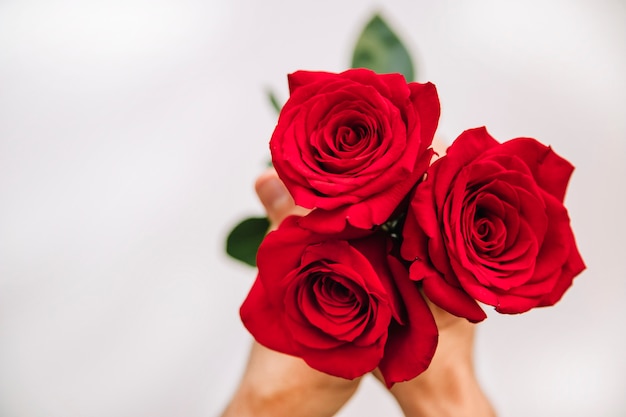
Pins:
x: 343, y: 287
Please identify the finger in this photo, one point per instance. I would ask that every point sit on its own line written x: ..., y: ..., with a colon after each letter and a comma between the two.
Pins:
x: 439, y: 147
x: 275, y: 198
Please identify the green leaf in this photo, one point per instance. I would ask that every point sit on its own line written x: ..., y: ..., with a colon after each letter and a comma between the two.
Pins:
x: 244, y: 240
x: 275, y: 103
x: 379, y: 49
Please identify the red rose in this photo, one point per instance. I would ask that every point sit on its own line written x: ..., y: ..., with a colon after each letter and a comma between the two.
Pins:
x: 489, y: 224
x: 344, y: 306
x: 352, y: 145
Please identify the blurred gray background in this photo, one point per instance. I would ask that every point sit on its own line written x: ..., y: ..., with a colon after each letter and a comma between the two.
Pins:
x: 130, y: 136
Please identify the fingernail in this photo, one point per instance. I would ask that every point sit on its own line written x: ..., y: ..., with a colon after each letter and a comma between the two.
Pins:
x: 273, y: 194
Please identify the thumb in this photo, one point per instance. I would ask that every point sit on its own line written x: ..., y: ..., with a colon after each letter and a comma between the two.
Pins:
x: 275, y: 198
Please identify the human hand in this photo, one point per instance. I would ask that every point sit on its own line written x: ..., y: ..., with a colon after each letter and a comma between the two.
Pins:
x: 275, y: 384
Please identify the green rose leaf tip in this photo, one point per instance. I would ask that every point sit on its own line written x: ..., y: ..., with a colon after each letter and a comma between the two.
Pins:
x: 379, y: 49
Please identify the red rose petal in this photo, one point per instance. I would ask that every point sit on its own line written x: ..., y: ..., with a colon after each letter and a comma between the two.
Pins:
x: 453, y: 300
x: 574, y: 266
x: 412, y: 343
x: 265, y: 322
x: 347, y: 361
x: 551, y: 172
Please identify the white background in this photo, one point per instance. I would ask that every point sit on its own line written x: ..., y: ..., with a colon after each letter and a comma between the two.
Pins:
x: 131, y: 133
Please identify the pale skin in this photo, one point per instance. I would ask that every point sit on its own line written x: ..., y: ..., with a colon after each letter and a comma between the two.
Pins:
x: 279, y: 385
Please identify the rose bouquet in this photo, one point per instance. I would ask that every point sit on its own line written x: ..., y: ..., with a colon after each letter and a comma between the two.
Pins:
x: 343, y: 286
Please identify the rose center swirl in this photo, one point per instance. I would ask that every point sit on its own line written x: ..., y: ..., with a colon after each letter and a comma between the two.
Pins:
x: 347, y: 143
x: 334, y: 304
